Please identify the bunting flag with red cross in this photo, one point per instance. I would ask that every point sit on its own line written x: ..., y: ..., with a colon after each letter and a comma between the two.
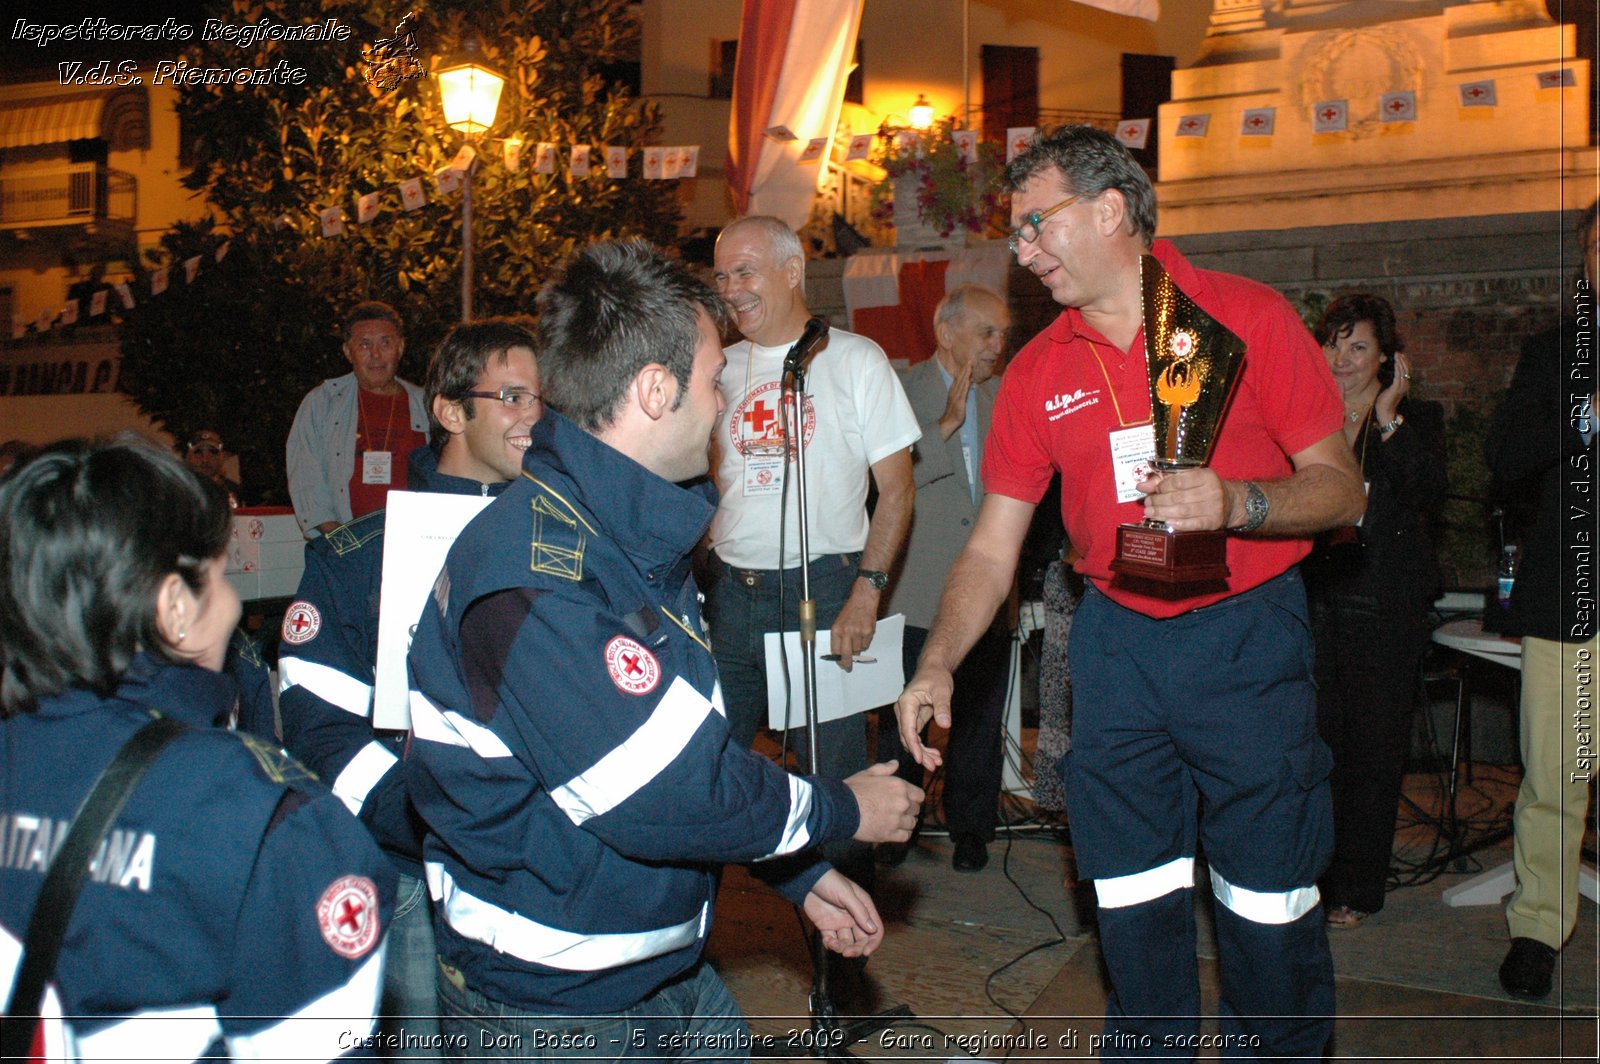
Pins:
x: 815, y: 148
x: 860, y: 147
x: 1133, y: 132
x: 1019, y: 139
x: 1193, y: 125
x: 1258, y: 121
x: 367, y: 208
x: 1557, y: 79
x: 332, y: 219
x: 1477, y: 93
x: 1330, y: 116
x: 1398, y: 107
x: 578, y: 163
x: 616, y: 161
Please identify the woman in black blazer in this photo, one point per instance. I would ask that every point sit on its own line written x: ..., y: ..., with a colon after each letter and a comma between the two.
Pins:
x: 1370, y: 588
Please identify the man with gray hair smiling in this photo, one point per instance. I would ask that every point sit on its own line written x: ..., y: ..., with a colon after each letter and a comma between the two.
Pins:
x: 856, y: 425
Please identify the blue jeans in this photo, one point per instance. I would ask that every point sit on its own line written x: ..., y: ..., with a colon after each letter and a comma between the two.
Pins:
x: 410, y: 1003
x: 691, y: 1018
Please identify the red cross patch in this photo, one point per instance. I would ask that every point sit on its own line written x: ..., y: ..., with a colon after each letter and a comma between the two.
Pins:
x: 301, y: 623
x: 633, y: 669
x: 1182, y: 344
x: 347, y: 916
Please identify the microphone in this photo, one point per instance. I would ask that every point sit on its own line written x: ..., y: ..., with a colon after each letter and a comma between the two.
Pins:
x: 815, y: 332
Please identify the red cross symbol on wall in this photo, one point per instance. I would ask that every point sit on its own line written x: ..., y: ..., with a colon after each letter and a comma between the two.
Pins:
x: 350, y: 912
x: 758, y: 417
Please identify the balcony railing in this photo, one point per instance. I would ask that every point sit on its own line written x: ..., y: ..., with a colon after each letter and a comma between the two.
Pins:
x: 75, y: 195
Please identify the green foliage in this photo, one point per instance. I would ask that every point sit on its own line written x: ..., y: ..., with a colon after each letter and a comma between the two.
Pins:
x: 952, y: 193
x: 242, y: 345
x: 1468, y: 542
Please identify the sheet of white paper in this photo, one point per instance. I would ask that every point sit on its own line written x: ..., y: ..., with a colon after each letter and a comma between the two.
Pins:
x: 839, y: 694
x: 418, y: 531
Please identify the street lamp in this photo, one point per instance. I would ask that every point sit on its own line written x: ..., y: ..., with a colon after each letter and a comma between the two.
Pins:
x: 470, y: 93
x: 921, y: 113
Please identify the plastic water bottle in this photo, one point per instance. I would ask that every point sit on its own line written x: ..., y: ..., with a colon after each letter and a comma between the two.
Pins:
x: 1506, y: 579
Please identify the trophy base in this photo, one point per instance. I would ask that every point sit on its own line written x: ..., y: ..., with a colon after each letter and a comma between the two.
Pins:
x: 1169, y: 562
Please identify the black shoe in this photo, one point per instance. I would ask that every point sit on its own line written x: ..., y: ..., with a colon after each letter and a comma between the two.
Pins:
x: 971, y: 855
x: 1525, y: 973
x: 891, y: 854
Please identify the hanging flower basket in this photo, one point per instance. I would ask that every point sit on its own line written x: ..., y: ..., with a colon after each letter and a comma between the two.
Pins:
x: 931, y: 193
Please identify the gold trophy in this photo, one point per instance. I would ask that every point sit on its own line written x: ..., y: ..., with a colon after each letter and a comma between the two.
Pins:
x: 1193, y: 361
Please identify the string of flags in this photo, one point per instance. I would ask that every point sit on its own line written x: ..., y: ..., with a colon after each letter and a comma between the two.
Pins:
x: 660, y: 163
x: 1333, y: 116
x: 72, y: 311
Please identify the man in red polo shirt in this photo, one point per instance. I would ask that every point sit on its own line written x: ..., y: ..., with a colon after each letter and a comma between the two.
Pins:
x: 350, y: 437
x: 1194, y: 717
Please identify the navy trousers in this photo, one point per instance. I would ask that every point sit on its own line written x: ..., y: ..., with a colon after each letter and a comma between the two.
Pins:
x: 1202, y: 729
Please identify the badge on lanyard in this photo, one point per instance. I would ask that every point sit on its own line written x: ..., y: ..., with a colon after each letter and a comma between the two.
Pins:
x: 1133, y: 457
x: 375, y: 467
x: 763, y: 471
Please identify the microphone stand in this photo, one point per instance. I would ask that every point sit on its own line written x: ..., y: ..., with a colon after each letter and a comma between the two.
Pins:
x: 831, y: 1040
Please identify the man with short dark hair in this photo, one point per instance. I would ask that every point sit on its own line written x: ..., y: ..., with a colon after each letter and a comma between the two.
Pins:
x: 573, y: 762
x: 483, y: 398
x: 352, y: 433
x: 1195, y: 714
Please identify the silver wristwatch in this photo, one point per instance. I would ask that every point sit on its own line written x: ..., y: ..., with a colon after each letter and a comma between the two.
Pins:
x: 876, y: 577
x: 1255, y: 508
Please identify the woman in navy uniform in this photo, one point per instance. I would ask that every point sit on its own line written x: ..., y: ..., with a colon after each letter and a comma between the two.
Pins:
x: 234, y: 907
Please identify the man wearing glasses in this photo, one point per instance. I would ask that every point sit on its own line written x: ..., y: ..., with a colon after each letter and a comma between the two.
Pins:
x: 1195, y: 717
x: 483, y: 398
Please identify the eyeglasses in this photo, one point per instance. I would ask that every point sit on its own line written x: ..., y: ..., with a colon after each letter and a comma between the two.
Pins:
x: 1029, y: 229
x: 204, y: 448
x: 515, y: 398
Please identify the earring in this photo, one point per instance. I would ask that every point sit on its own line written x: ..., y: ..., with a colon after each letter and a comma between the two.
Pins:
x: 183, y: 633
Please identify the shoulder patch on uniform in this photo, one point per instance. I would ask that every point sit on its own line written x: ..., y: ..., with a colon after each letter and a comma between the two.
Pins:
x: 275, y: 761
x: 347, y: 916
x: 557, y: 543
x: 301, y: 623
x: 633, y: 669
x: 355, y: 534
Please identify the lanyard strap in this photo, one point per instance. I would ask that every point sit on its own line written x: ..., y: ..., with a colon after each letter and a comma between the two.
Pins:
x: 52, y: 909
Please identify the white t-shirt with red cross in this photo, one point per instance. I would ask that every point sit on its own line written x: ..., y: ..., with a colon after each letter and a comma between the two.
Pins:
x: 856, y: 414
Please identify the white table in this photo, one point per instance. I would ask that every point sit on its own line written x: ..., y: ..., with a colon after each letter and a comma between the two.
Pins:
x: 1467, y: 635
x: 1487, y: 888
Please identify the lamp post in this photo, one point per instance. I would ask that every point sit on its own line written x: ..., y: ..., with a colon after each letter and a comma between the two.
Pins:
x: 470, y: 93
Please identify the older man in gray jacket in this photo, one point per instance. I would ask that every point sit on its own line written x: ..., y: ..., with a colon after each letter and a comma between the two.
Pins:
x: 953, y: 396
